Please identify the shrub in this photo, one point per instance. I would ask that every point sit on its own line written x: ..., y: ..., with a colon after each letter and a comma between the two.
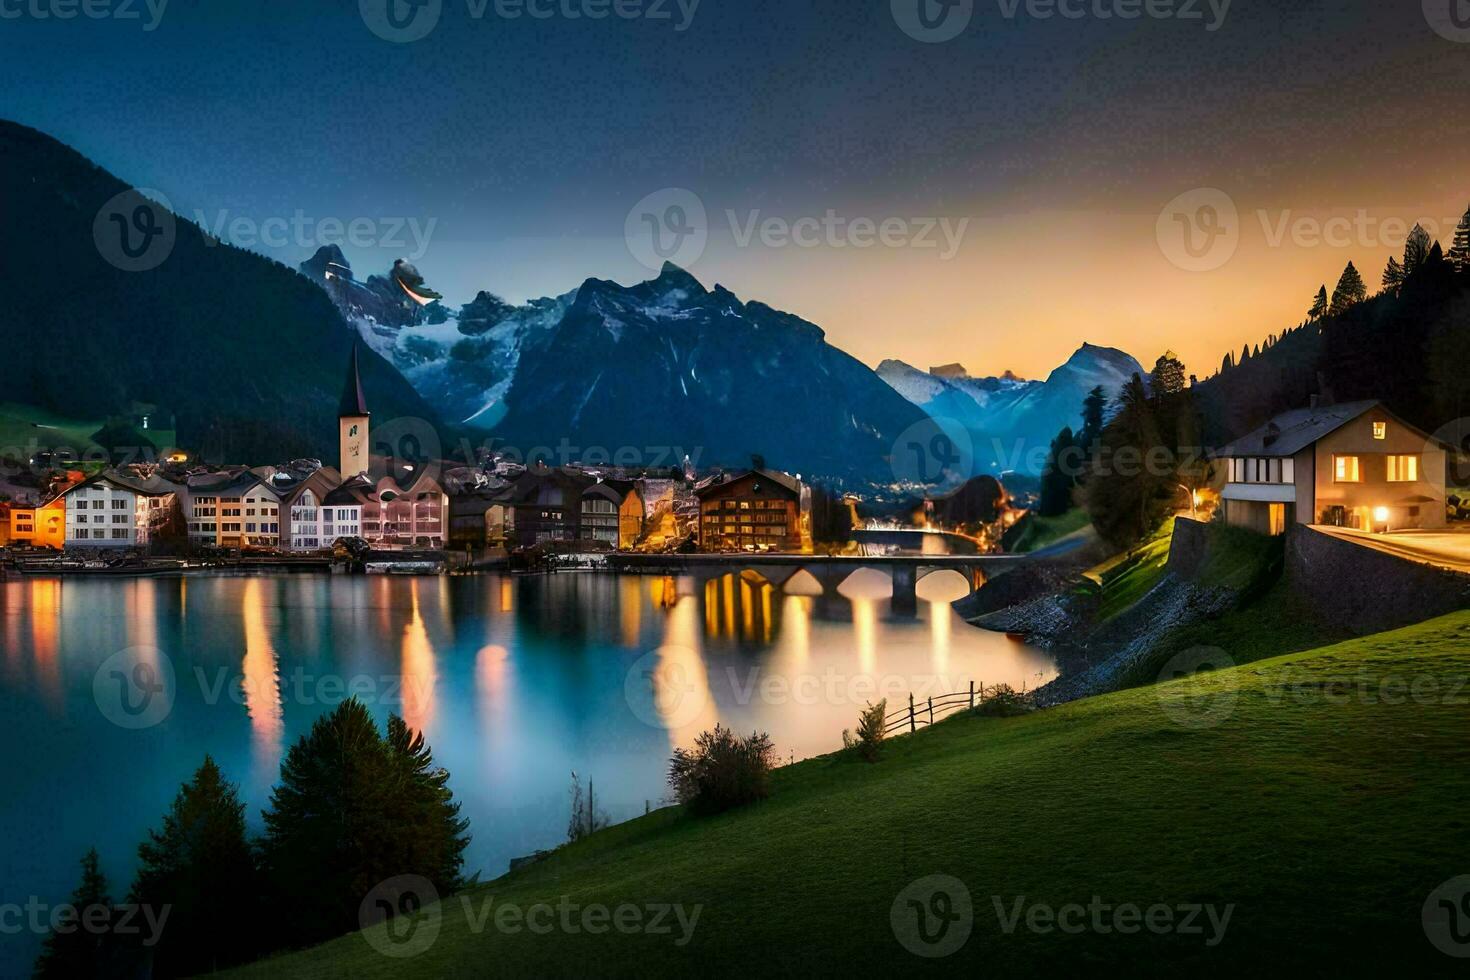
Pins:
x: 1004, y: 701
x: 869, y: 738
x: 722, y: 771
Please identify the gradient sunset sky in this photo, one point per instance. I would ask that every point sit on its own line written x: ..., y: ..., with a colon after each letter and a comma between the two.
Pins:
x: 1061, y: 139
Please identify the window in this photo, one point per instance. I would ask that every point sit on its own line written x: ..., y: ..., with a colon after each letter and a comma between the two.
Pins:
x: 1380, y: 430
x: 1403, y: 469
x: 1345, y: 469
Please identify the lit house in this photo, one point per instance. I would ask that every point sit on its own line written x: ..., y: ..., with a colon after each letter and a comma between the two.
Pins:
x: 1352, y: 465
x: 233, y: 510
x: 760, y: 509
x: 612, y: 513
x: 546, y: 506
x: 118, y: 511
x: 304, y: 521
x: 42, y: 526
x: 399, y: 517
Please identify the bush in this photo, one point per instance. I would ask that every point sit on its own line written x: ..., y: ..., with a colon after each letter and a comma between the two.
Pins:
x: 869, y: 731
x: 722, y: 771
x: 1003, y: 701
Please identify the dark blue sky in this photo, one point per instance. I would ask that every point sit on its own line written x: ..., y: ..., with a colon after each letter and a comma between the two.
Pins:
x: 527, y: 141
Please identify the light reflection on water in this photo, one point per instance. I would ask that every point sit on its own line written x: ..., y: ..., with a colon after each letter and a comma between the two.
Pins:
x: 516, y: 681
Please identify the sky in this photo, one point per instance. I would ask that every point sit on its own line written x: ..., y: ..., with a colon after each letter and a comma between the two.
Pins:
x: 994, y: 184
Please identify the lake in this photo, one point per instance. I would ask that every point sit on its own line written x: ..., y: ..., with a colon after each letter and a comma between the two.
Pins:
x: 517, y: 681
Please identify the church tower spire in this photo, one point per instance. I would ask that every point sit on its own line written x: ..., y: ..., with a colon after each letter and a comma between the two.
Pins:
x: 352, y: 423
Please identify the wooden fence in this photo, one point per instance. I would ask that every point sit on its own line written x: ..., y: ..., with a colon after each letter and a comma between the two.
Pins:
x: 927, y: 711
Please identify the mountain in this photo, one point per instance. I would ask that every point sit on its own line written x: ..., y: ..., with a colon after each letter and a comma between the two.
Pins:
x: 1009, y: 421
x: 656, y: 370
x: 244, y: 353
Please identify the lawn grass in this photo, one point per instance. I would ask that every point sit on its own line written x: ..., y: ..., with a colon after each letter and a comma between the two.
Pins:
x: 1310, y: 792
x: 1125, y: 578
x: 1042, y: 531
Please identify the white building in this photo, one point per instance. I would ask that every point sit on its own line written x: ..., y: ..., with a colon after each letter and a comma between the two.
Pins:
x: 117, y: 511
x: 233, y: 510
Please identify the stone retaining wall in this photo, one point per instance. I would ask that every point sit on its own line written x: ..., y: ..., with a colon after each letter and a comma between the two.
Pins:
x: 1366, y: 590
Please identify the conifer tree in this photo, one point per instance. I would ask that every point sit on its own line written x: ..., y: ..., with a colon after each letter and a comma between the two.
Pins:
x: 1130, y: 494
x: 1350, y: 291
x: 1094, y: 410
x: 1416, y: 250
x: 1393, y: 275
x: 1319, y: 304
x: 1167, y: 377
x: 200, y: 866
x: 352, y: 810
x: 1059, y: 476
x: 1460, y: 250
x: 82, y: 950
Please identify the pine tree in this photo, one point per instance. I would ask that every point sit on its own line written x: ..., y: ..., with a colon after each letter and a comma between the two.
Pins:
x: 1129, y: 493
x: 1393, y: 276
x: 1460, y: 250
x: 1319, y: 304
x: 1350, y: 291
x: 1094, y: 411
x: 1245, y: 354
x: 1168, y: 376
x: 199, y: 865
x: 1059, y: 476
x: 1227, y: 363
x: 352, y: 810
x: 1416, y: 250
x: 83, y: 950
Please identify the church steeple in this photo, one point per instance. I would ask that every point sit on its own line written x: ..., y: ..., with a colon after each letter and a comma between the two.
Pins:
x: 352, y: 424
x: 354, y: 402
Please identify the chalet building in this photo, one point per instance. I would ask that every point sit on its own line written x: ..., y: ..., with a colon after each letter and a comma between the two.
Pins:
x: 612, y: 513
x: 1352, y: 465
x: 756, y: 510
x: 114, y: 510
x: 234, y: 509
x: 480, y: 517
x: 306, y: 524
x: 546, y: 506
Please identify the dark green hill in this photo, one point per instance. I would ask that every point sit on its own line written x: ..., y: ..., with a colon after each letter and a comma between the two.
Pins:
x: 246, y: 354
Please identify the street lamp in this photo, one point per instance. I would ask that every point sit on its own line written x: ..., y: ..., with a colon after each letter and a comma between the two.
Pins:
x: 1380, y: 516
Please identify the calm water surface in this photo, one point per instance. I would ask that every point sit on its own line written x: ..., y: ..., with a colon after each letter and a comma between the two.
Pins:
x: 517, y: 681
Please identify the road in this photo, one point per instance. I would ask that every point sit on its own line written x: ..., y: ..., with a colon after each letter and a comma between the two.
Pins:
x: 1446, y: 549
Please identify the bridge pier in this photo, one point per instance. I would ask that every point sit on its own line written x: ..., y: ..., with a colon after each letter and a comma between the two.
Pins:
x: 905, y: 591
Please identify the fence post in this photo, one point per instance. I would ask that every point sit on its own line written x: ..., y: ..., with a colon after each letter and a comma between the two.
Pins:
x: 912, y: 726
x: 972, y: 695
x: 931, y: 711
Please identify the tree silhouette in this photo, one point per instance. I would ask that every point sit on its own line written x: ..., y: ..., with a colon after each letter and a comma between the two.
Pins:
x: 1168, y: 375
x: 1416, y: 250
x: 82, y: 951
x: 1319, y: 304
x: 1393, y: 276
x: 1349, y: 292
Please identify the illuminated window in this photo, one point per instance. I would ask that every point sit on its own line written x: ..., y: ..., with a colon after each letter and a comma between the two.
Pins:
x: 1403, y: 469
x: 1347, y: 470
x: 1380, y: 430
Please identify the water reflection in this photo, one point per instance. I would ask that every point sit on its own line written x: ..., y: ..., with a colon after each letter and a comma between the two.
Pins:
x: 515, y: 681
x: 262, y: 683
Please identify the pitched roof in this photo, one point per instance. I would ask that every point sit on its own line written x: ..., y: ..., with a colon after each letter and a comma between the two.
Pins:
x: 354, y: 402
x: 1291, y: 432
x: 783, y: 480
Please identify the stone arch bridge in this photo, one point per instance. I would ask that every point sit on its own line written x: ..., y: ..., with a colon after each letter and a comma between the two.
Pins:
x: 829, y: 571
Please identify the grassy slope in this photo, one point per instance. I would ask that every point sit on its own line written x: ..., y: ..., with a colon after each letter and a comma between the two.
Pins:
x: 1127, y: 577
x: 1325, y: 817
x: 1042, y: 531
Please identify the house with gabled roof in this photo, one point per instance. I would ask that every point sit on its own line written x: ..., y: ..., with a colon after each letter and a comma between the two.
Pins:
x: 1350, y: 465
